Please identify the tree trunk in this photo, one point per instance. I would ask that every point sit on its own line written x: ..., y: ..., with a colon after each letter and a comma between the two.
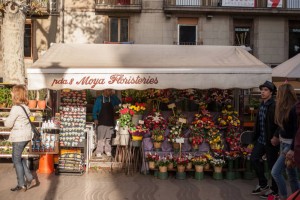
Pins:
x: 12, y: 37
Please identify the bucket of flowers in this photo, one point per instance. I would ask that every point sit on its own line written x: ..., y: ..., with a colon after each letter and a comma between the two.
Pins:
x: 175, y: 133
x: 181, y: 163
x: 209, y: 159
x: 155, y: 120
x: 231, y: 156
x: 152, y: 159
x: 125, y: 119
x: 157, y: 136
x: 162, y: 164
x: 199, y: 162
x: 137, y: 133
x: 139, y: 109
x: 218, y: 164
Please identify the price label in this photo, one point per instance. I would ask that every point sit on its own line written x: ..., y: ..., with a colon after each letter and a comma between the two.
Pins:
x: 179, y: 140
x: 141, y: 121
x: 182, y: 120
x: 172, y: 105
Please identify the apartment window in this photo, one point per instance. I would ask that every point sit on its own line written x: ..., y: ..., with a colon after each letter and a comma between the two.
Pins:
x: 119, y: 30
x: 294, y: 38
x: 243, y: 33
x: 28, y: 40
x: 187, y: 31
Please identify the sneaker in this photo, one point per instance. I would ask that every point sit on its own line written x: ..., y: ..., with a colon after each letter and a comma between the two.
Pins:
x: 269, y: 195
x: 19, y: 188
x: 108, y: 154
x: 259, y: 189
x: 99, y: 155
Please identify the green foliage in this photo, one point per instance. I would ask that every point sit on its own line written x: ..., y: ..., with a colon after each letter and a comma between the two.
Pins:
x: 32, y: 94
x: 43, y: 94
x: 254, y: 103
x: 5, y: 96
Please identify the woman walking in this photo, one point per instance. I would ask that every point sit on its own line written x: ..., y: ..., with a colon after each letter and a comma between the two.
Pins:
x: 20, y: 136
x: 286, y: 119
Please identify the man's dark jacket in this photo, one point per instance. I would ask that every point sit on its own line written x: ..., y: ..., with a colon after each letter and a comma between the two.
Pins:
x: 270, y: 126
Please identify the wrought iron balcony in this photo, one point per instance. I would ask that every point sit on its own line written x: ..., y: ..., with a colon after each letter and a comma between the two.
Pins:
x: 118, y: 6
x: 257, y: 7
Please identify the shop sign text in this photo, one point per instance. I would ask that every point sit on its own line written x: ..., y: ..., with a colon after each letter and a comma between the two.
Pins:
x: 115, y: 79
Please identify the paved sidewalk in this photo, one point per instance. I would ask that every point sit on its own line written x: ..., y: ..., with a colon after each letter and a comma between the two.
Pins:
x: 118, y: 186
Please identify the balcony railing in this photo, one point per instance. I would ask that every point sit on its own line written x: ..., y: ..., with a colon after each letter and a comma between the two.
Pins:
x: 257, y: 6
x: 118, y: 5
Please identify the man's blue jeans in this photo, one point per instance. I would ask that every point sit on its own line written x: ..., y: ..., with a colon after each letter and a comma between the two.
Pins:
x: 279, y: 168
x: 20, y: 164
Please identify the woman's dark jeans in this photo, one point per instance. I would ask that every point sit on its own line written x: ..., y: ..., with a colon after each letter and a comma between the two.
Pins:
x: 20, y: 164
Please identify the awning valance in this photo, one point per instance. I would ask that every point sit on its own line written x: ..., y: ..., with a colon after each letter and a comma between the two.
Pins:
x: 126, y: 66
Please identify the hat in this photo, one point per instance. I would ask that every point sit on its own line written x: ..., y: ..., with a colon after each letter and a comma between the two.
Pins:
x: 269, y: 85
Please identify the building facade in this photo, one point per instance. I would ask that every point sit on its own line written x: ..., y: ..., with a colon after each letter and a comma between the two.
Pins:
x: 269, y: 29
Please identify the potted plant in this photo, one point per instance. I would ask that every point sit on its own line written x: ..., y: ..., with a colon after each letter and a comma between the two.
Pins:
x: 152, y: 159
x: 162, y: 164
x: 157, y: 136
x: 32, y: 102
x: 175, y: 133
x: 199, y: 162
x: 181, y: 163
x: 42, y: 98
x: 218, y: 164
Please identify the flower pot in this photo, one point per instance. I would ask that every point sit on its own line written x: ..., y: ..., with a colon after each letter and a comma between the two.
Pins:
x: 2, y: 105
x: 137, y: 138
x: 41, y: 104
x: 189, y: 166
x: 124, y: 139
x: 170, y: 166
x: 157, y: 145
x: 180, y: 168
x: 151, y: 164
x: 135, y: 119
x: 162, y: 168
x: 32, y: 104
x: 199, y: 168
x: 218, y: 169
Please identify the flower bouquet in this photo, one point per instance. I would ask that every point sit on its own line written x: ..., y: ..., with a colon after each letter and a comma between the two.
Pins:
x: 125, y: 115
x: 232, y: 155
x: 171, y: 160
x: 138, y: 132
x: 162, y: 164
x: 152, y: 159
x: 175, y: 133
x: 200, y: 160
x: 155, y: 120
x: 217, y: 162
x: 181, y: 163
x: 138, y: 108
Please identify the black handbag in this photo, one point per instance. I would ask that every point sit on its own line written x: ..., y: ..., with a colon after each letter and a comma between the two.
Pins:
x: 36, y: 133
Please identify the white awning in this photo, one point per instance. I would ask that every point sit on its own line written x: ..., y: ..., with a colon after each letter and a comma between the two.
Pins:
x: 289, y: 69
x: 134, y: 66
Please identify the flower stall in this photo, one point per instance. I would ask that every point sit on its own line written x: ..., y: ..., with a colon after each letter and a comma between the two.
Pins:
x: 145, y: 73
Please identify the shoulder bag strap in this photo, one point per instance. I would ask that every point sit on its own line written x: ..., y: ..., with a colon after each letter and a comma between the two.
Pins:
x: 26, y: 113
